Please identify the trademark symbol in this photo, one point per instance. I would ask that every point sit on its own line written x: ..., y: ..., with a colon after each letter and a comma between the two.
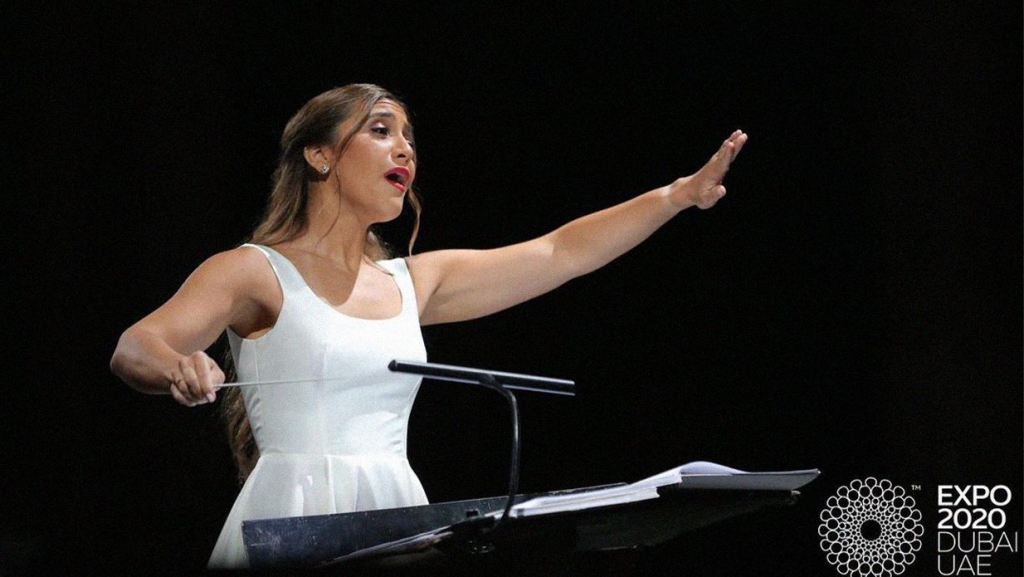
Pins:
x: 915, y: 487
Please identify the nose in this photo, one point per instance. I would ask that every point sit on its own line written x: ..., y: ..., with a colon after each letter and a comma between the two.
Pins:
x: 403, y: 149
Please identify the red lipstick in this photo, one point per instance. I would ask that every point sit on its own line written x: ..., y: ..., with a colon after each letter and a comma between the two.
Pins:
x: 398, y: 177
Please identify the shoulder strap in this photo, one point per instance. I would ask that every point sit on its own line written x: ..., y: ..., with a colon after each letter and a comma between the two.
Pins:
x: 400, y: 269
x: 287, y: 275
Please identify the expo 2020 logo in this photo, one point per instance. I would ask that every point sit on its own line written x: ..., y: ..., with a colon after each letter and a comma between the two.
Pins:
x: 870, y: 528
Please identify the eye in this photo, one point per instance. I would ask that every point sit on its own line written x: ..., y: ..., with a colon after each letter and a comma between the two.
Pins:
x: 380, y: 129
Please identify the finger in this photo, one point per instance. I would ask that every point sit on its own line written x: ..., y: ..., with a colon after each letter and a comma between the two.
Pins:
x: 216, y: 373
x: 216, y: 378
x: 727, y: 154
x: 712, y: 196
x: 179, y: 397
x: 201, y: 362
x: 722, y: 152
x: 188, y: 372
x: 738, y: 144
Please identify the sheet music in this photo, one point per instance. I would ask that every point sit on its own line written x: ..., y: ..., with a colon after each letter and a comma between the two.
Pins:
x: 694, y: 475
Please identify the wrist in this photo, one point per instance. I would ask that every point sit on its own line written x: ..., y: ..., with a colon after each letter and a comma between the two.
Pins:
x: 677, y: 194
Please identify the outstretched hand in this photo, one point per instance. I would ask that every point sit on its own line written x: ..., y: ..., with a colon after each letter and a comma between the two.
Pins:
x: 704, y: 187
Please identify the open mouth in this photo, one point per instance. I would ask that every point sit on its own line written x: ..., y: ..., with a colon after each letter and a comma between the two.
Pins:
x: 397, y: 177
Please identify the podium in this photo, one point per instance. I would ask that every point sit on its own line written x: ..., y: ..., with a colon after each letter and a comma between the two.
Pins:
x: 447, y: 532
x: 548, y: 526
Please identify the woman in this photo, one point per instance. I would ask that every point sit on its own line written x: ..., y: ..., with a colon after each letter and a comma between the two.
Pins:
x: 315, y: 297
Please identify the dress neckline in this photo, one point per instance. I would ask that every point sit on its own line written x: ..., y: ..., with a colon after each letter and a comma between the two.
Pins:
x: 319, y: 299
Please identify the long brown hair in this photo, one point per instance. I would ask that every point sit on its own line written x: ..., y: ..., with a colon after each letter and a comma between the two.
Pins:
x: 317, y: 123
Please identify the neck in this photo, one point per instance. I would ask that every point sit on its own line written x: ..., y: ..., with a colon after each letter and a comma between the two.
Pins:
x: 334, y: 231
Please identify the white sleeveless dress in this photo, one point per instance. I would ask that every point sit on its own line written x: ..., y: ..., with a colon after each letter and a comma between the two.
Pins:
x: 326, y: 446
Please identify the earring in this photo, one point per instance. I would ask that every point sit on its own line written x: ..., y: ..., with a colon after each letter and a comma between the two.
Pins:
x: 324, y: 169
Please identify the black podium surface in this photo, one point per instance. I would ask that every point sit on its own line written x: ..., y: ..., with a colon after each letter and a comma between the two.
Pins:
x: 439, y: 533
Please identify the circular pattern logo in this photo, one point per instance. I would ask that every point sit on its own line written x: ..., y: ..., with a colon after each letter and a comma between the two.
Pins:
x: 870, y: 528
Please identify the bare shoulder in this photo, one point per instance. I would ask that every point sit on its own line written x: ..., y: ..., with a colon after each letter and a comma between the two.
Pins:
x: 238, y: 266
x: 429, y: 271
x: 242, y: 274
x: 244, y: 277
x: 433, y: 262
x: 425, y: 268
x: 235, y: 288
x: 424, y: 273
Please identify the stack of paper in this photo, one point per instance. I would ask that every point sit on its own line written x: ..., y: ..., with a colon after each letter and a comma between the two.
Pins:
x: 695, y: 475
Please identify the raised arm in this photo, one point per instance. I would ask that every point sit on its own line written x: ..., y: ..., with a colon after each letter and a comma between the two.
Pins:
x: 456, y: 285
x: 163, y: 352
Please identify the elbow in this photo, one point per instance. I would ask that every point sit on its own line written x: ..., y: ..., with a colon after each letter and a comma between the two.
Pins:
x: 117, y: 364
x: 121, y: 363
x: 565, y: 263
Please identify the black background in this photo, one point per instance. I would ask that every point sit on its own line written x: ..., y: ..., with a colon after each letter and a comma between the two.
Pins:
x: 854, y: 303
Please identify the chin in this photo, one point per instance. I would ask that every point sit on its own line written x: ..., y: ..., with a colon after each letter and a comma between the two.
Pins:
x: 392, y: 212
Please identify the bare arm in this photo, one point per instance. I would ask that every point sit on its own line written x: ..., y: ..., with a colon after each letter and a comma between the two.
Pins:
x: 455, y: 285
x: 163, y: 352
